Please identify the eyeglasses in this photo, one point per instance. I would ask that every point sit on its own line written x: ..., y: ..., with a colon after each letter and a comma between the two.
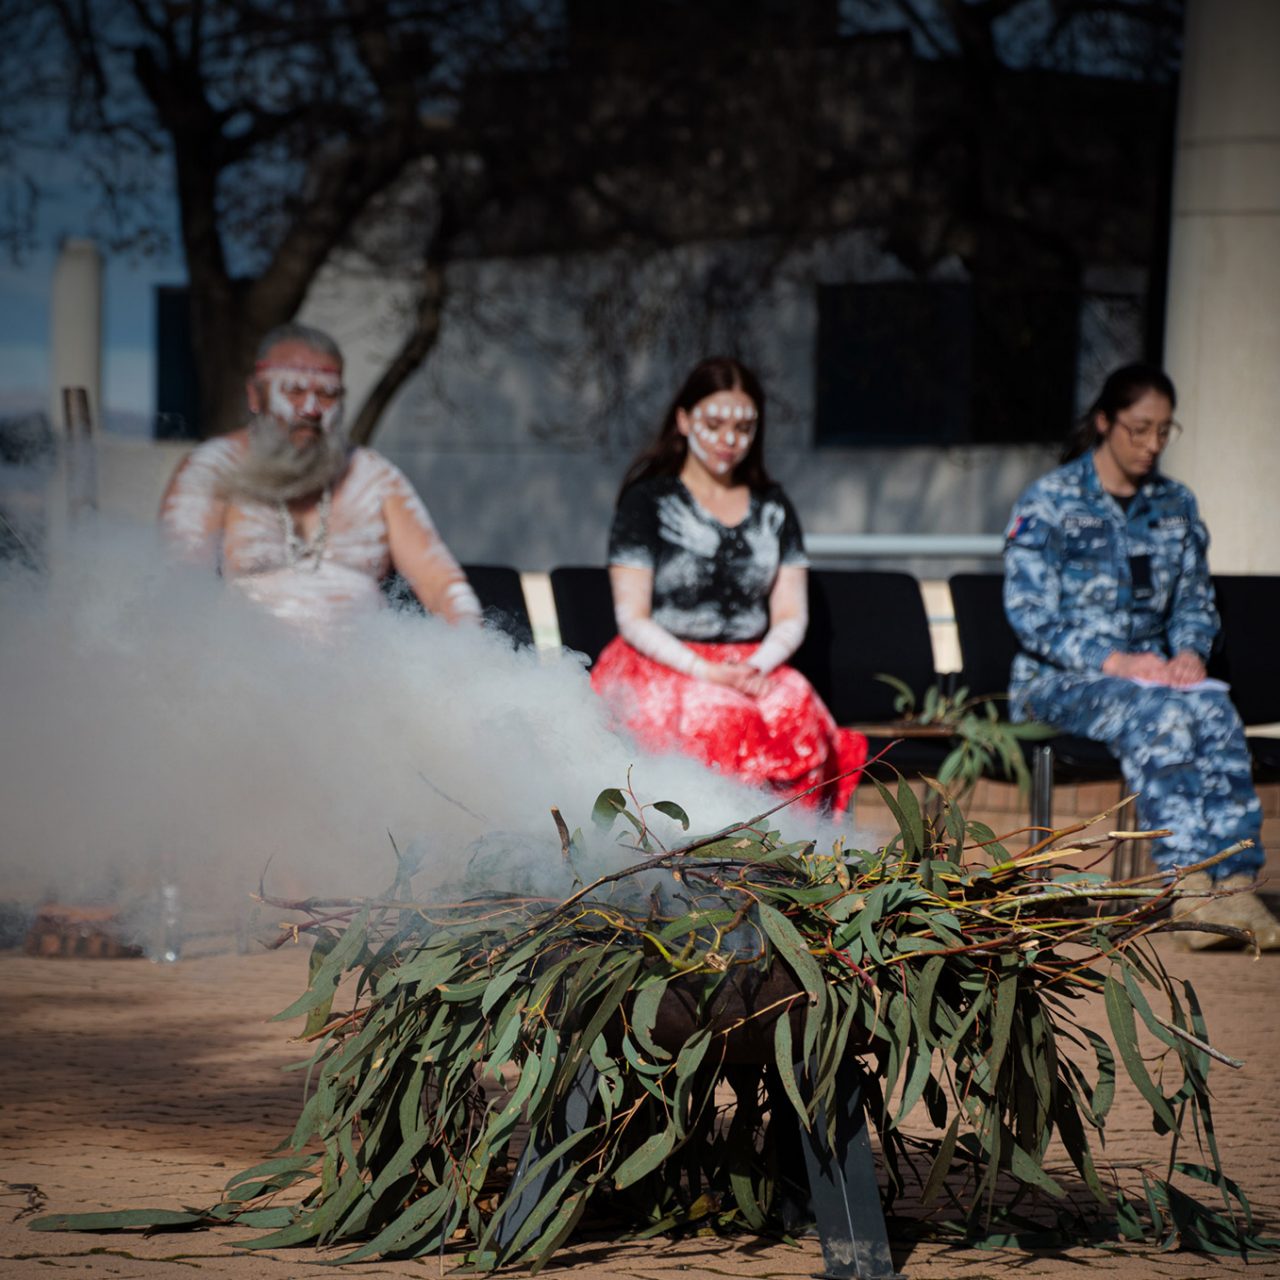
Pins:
x: 1145, y: 432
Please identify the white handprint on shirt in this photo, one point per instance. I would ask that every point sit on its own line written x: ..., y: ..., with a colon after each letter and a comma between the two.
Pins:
x: 680, y: 525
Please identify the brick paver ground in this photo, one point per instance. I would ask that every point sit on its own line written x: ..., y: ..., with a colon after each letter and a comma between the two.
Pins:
x: 130, y: 1084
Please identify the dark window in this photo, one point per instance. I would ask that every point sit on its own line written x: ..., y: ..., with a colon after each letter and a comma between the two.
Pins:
x: 893, y: 363
x: 905, y: 363
x: 177, y: 392
x: 1024, y: 364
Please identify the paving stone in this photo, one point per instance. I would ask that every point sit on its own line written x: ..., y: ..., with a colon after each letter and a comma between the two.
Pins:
x: 131, y: 1084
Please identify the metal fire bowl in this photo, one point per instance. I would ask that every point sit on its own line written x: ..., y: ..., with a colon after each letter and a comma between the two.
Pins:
x: 733, y: 1011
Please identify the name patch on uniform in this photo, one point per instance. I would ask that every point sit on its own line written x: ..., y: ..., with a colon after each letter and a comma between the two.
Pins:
x: 1171, y: 522
x: 1071, y: 523
x: 1140, y: 576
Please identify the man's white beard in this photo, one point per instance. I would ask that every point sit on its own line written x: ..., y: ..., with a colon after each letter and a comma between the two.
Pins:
x: 276, y: 470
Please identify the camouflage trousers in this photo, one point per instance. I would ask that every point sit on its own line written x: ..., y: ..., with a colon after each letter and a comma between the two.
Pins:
x: 1184, y: 753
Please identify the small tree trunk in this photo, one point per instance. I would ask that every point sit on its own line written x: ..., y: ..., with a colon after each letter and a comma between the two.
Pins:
x: 222, y: 398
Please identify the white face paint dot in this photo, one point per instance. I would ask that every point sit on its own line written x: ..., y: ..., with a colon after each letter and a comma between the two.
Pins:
x: 720, y: 434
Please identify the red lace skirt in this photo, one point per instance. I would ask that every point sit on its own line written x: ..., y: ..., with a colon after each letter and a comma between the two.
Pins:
x: 786, y: 739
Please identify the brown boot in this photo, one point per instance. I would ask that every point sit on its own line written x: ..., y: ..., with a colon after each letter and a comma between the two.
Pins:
x: 1242, y: 909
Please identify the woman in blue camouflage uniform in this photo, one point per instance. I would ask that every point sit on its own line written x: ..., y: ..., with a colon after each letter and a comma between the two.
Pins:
x: 1108, y: 589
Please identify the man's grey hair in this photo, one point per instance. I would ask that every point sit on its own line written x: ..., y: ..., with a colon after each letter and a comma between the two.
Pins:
x: 315, y: 339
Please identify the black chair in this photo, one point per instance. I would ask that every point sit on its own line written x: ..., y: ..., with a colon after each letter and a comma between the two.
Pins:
x: 860, y: 624
x: 863, y: 624
x: 988, y: 646
x: 1244, y: 657
x: 496, y: 586
x: 584, y: 608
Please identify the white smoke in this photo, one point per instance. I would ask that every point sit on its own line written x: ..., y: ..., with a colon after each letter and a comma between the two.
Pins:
x: 157, y: 727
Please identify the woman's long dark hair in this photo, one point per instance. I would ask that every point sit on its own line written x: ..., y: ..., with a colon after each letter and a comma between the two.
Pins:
x: 666, y: 455
x: 1124, y: 387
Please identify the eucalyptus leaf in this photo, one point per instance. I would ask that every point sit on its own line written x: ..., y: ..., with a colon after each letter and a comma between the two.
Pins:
x: 609, y: 804
x: 673, y: 811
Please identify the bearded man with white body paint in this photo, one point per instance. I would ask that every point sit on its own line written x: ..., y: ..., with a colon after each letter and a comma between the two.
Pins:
x: 296, y: 518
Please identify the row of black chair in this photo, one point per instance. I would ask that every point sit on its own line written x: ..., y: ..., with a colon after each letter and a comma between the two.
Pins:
x: 864, y: 623
x: 1249, y: 605
x: 988, y: 646
x: 1245, y: 658
x: 861, y: 624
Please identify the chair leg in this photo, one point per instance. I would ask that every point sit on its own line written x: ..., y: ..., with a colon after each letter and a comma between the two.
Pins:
x: 1132, y: 858
x: 1042, y: 790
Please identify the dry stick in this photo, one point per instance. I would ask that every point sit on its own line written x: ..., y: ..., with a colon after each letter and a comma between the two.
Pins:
x: 1064, y: 831
x: 37, y: 561
x: 445, y: 796
x: 1092, y: 842
x: 1112, y: 839
x: 760, y: 817
x: 656, y: 863
x: 1215, y: 1054
x: 644, y: 825
x: 563, y: 828
x: 1180, y: 873
x: 312, y: 904
x: 759, y: 1013
x: 354, y: 1016
x: 396, y: 904
x: 1246, y: 936
x: 1156, y: 900
x: 650, y: 864
x: 290, y: 932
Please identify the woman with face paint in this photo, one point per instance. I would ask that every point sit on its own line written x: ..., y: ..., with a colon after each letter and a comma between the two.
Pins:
x: 710, y: 591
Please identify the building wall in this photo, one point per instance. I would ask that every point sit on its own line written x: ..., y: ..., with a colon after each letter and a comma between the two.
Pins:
x: 521, y: 423
x: 1223, y: 340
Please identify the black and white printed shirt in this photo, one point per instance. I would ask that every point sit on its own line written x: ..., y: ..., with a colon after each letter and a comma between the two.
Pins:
x: 711, y: 582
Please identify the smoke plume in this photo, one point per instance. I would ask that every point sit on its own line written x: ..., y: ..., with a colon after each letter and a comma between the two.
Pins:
x: 158, y: 728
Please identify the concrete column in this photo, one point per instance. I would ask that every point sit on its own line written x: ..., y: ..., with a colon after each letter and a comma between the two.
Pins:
x: 1222, y: 335
x: 75, y: 339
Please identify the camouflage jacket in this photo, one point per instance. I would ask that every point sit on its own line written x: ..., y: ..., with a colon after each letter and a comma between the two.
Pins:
x: 1084, y: 578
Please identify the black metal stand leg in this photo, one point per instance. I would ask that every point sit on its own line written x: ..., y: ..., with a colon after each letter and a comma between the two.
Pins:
x: 842, y: 1183
x: 570, y: 1117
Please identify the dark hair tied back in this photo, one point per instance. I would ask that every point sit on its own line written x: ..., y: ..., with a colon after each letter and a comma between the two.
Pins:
x: 666, y: 455
x: 1124, y: 387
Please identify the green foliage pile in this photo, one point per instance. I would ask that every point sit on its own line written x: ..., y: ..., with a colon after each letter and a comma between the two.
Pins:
x: 952, y: 966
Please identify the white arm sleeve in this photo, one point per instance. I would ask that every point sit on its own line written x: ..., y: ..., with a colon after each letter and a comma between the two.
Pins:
x: 632, y: 603
x: 788, y: 619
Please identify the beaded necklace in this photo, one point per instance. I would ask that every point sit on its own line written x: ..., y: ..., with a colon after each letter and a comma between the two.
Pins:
x: 306, y: 552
